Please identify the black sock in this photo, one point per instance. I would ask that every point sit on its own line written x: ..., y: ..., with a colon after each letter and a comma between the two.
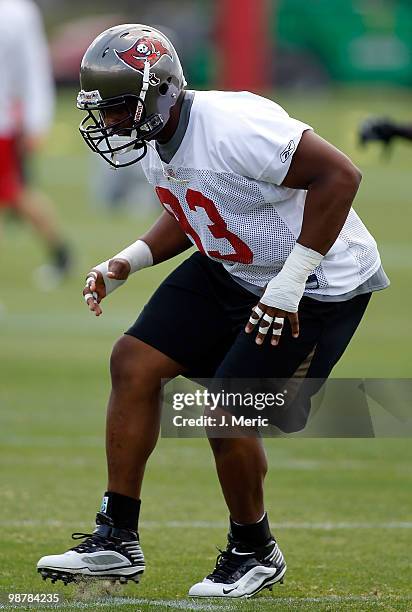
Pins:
x: 123, y: 510
x: 254, y: 535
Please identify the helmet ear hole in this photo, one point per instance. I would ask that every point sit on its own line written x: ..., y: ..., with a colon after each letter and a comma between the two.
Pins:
x: 163, y: 89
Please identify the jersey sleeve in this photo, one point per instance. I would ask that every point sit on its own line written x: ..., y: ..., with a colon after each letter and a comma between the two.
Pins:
x: 265, y: 140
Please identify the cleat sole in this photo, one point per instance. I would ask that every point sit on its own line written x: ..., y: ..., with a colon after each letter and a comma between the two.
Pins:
x: 69, y: 578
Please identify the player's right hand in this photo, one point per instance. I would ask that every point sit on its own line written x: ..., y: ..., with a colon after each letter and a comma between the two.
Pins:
x: 95, y: 288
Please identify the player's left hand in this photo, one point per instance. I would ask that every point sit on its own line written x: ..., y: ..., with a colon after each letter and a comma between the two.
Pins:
x: 271, y: 320
x: 101, y: 282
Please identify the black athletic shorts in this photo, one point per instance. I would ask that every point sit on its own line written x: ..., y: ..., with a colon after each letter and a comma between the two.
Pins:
x: 198, y: 314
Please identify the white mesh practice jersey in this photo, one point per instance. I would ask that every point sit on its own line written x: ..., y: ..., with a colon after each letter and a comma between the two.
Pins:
x: 235, y: 154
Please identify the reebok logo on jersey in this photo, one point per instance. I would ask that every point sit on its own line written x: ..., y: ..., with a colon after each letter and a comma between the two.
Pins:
x: 286, y: 153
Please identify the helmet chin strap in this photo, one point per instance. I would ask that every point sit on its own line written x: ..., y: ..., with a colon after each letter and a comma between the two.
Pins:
x: 139, y: 108
x: 143, y: 92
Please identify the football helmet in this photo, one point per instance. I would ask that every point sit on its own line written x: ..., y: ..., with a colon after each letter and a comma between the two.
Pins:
x: 131, y: 71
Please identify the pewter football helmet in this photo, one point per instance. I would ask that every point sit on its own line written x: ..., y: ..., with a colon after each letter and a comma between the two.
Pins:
x: 134, y: 68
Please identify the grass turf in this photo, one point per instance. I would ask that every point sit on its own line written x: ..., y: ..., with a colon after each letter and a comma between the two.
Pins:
x: 341, y: 509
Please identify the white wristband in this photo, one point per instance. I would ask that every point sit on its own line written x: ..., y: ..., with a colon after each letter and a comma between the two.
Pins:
x: 137, y: 254
x: 286, y: 290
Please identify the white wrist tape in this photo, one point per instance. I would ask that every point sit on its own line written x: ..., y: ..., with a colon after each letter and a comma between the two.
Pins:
x: 110, y: 283
x: 137, y: 254
x: 286, y: 289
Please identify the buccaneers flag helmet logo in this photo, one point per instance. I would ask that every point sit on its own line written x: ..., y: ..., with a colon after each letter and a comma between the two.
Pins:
x: 145, y: 49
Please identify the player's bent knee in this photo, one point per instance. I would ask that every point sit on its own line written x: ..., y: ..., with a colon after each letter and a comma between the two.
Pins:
x: 129, y: 365
x: 249, y: 450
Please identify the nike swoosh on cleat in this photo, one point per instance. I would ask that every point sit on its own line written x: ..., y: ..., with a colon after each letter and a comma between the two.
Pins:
x: 235, y: 552
x: 227, y: 591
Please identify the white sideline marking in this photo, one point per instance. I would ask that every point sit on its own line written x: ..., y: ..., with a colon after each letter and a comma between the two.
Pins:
x: 321, y: 526
x: 185, y: 604
x: 325, y: 526
x: 112, y: 602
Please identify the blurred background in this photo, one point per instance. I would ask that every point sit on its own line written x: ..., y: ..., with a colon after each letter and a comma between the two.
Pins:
x: 309, y: 44
x: 330, y: 63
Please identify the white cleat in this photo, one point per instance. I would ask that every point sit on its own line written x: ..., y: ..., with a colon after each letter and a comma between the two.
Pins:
x: 240, y: 572
x: 108, y: 553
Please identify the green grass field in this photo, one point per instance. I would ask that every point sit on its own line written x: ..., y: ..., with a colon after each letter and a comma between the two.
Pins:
x: 341, y: 509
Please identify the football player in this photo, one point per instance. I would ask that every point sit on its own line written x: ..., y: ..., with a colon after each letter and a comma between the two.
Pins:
x: 26, y: 111
x: 280, y: 280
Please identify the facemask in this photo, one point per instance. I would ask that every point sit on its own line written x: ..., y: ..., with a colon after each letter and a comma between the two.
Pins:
x: 117, y: 141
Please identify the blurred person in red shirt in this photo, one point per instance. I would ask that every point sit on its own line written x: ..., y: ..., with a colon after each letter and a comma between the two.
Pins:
x: 26, y: 112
